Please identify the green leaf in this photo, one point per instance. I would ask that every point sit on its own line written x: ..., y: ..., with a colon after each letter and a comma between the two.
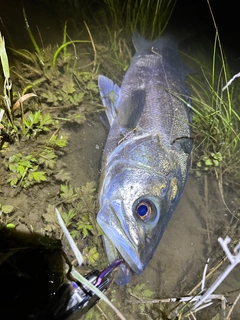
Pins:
x: 59, y: 142
x: 4, y: 58
x: 74, y: 233
x: 14, y: 178
x: 45, y: 120
x: 77, y: 98
x: 139, y: 287
x: 63, y: 176
x: 84, y: 228
x: 37, y: 176
x: 79, y: 118
x: 91, y: 256
x: 86, y: 202
x: 48, y: 158
x: 89, y: 188
x: 68, y: 87
x: 13, y: 167
x: 22, y: 170
x: 147, y: 293
x: 10, y: 226
x: 208, y: 162
x: 50, y: 97
x: 67, y: 193
x: 7, y: 209
x: 68, y: 217
x: 15, y: 157
x: 92, y: 86
x: 31, y: 158
x: 36, y: 122
x: 199, y: 164
x: 25, y: 162
x: 219, y: 156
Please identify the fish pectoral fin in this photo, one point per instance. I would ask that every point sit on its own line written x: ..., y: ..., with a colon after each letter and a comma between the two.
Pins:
x: 131, y: 109
x: 110, y: 93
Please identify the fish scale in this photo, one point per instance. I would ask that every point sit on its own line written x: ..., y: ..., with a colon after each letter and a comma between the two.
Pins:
x: 147, y: 153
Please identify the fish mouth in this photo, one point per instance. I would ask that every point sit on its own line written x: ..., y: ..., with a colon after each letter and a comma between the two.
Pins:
x: 124, y: 273
x: 126, y: 268
x: 118, y: 242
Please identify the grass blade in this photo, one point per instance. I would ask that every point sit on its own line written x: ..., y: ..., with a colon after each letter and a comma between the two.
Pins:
x: 77, y: 275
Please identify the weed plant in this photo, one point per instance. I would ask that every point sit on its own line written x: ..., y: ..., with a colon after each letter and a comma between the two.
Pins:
x: 121, y: 19
x: 149, y: 18
x: 7, y: 216
x: 80, y: 200
x: 59, y: 83
x: 78, y: 210
x: 56, y: 78
x: 215, y: 118
x: 52, y: 81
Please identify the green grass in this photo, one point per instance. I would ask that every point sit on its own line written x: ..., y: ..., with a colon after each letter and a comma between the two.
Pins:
x: 122, y: 19
x: 149, y: 18
x: 215, y: 118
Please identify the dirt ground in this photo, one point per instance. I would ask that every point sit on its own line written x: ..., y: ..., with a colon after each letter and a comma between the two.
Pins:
x: 190, y: 239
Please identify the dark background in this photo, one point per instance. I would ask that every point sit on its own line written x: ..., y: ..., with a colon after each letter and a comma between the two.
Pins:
x: 194, y: 13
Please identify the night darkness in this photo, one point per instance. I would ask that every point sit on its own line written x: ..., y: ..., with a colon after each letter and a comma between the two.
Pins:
x: 226, y: 15
x: 195, y: 13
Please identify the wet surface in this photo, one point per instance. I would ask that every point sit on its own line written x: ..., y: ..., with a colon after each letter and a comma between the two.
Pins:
x: 191, y: 236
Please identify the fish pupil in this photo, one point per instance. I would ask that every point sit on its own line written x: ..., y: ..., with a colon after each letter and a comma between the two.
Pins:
x: 142, y: 210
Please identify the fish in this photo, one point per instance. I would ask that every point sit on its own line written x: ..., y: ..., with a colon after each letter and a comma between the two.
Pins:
x: 146, y: 157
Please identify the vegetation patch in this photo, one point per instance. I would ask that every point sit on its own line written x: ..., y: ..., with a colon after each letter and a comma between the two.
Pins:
x: 216, y: 119
x: 47, y: 89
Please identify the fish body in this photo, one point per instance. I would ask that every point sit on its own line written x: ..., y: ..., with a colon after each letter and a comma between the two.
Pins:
x: 147, y: 153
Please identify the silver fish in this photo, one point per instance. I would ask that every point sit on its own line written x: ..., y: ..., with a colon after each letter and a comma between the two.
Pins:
x: 147, y: 153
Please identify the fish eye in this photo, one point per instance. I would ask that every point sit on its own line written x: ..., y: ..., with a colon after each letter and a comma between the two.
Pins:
x: 144, y: 210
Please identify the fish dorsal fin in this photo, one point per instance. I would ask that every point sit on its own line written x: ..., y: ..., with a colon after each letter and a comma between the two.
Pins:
x: 109, y: 93
x: 138, y: 41
x: 131, y: 109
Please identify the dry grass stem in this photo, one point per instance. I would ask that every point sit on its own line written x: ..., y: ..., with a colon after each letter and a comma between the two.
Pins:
x: 94, y: 49
x: 232, y: 307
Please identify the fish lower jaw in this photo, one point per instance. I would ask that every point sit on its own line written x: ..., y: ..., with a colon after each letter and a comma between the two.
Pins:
x: 131, y: 262
x: 124, y: 273
x: 125, y: 270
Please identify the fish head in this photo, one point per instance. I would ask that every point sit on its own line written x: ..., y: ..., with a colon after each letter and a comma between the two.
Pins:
x: 136, y: 207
